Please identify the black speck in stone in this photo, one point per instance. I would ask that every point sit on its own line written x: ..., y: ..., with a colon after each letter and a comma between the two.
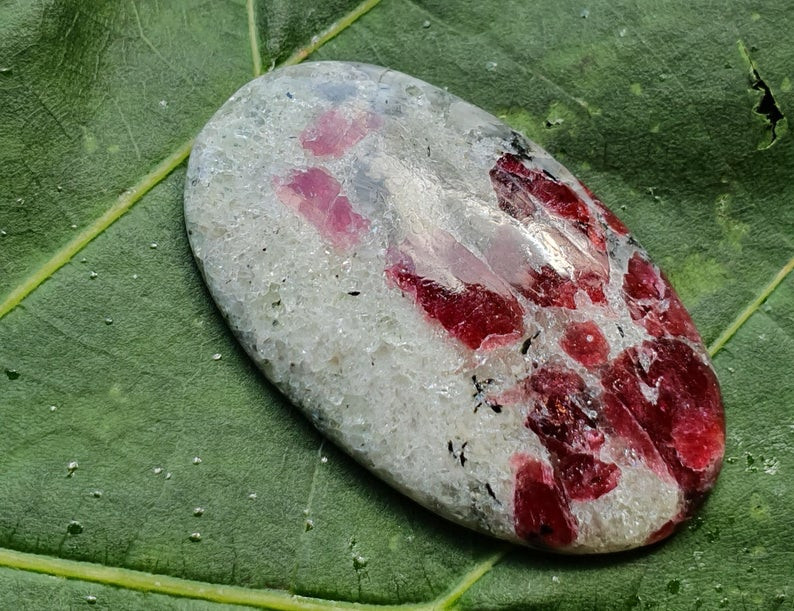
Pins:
x: 518, y: 146
x: 490, y: 491
x: 289, y: 95
x: 528, y: 342
x: 354, y: 293
x: 449, y: 446
x: 620, y: 330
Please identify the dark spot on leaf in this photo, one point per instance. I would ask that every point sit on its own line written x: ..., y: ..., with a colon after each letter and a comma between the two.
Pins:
x: 74, y: 528
x: 12, y: 374
x: 767, y: 106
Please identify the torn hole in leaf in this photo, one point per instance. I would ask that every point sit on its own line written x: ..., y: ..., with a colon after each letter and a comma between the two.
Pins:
x: 767, y: 106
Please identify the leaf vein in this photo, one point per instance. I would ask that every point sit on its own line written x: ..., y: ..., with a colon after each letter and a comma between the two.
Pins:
x: 745, y: 314
x: 123, y: 203
x: 252, y: 37
x: 174, y: 586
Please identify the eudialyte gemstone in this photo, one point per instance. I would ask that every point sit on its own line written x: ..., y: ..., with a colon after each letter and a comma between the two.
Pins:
x: 453, y: 308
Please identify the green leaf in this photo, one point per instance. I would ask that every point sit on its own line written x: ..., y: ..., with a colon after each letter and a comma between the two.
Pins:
x: 108, y: 339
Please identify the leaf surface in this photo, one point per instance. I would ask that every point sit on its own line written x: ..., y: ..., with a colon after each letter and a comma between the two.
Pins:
x: 654, y: 107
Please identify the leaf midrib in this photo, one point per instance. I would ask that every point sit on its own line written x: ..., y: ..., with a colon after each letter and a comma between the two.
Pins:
x: 267, y: 598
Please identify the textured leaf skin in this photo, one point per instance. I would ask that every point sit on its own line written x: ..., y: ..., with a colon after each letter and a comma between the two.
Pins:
x: 652, y: 106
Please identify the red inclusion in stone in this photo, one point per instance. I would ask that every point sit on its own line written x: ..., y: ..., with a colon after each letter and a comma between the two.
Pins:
x: 510, y: 181
x: 519, y: 188
x: 593, y: 285
x: 557, y: 395
x: 665, y: 530
x: 317, y: 197
x: 612, y: 221
x: 547, y: 288
x: 521, y: 192
x: 586, y: 478
x: 333, y: 133
x: 652, y: 301
x: 541, y: 512
x: 558, y: 398
x: 584, y: 342
x: 674, y: 399
x: 475, y: 315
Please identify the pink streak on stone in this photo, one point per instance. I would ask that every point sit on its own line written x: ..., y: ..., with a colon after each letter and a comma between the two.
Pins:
x: 316, y: 196
x: 458, y: 290
x: 333, y: 133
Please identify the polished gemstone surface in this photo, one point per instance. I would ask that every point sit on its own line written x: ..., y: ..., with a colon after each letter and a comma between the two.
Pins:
x: 453, y: 308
